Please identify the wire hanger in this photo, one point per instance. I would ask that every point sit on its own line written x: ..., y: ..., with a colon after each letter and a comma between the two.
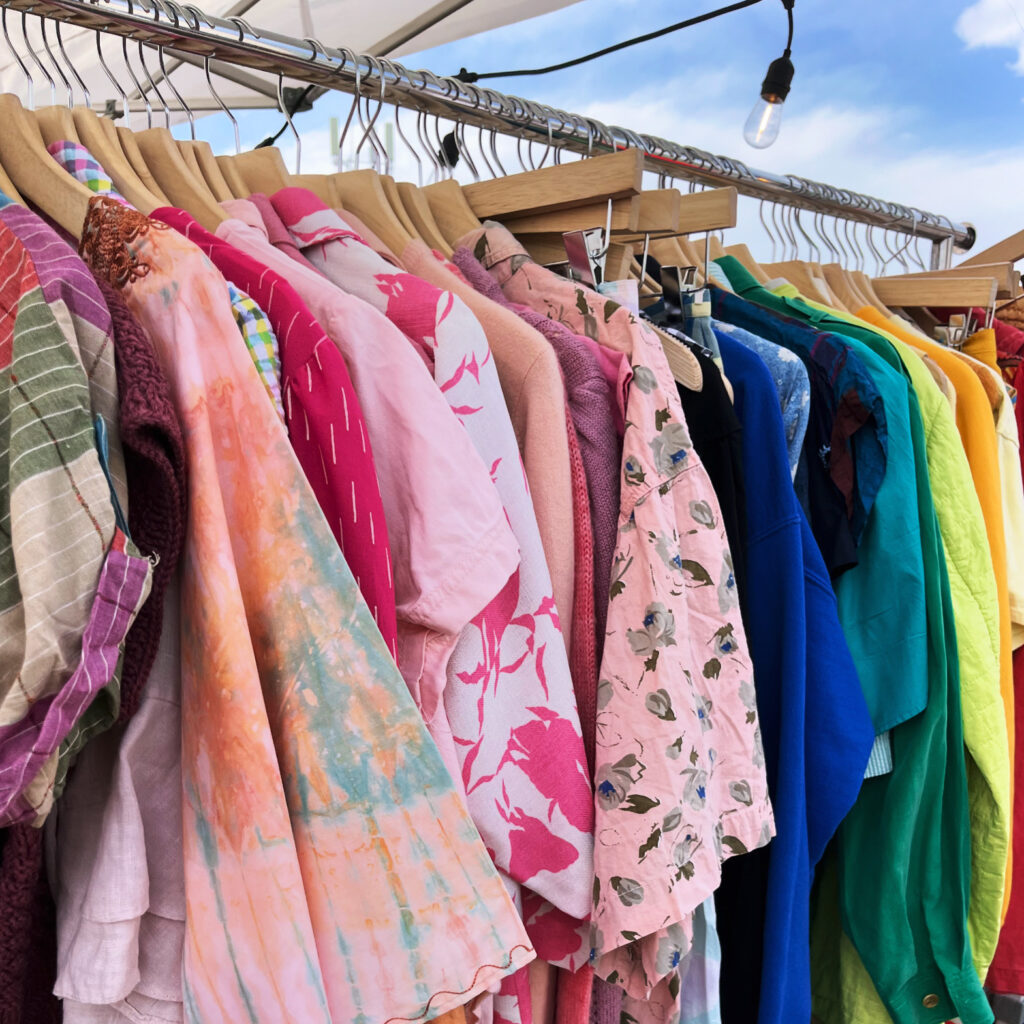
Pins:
x: 33, y: 172
x: 177, y: 180
x: 361, y: 191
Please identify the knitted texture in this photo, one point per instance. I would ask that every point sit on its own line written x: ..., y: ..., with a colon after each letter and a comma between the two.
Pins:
x: 583, y: 636
x: 154, y: 458
x: 574, y: 996
x: 28, y: 935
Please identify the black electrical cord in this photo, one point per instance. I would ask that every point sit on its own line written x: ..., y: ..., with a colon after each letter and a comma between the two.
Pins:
x: 292, y: 108
x: 472, y: 76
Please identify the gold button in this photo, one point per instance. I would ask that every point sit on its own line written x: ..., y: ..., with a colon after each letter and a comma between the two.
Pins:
x: 930, y: 1001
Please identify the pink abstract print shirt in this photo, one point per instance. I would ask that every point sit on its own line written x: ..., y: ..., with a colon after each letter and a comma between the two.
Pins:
x: 680, y: 780
x: 310, y: 784
x: 509, y: 696
x: 325, y: 421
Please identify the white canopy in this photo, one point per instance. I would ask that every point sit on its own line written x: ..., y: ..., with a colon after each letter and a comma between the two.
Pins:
x: 381, y: 27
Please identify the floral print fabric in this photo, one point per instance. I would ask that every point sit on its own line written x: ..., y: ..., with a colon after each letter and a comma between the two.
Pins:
x: 680, y: 781
x: 309, y: 778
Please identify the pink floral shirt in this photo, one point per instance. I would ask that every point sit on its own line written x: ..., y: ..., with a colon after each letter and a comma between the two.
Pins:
x: 680, y: 781
x: 509, y: 698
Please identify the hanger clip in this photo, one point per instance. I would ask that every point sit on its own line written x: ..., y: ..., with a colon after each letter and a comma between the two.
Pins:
x: 587, y: 252
x: 676, y: 282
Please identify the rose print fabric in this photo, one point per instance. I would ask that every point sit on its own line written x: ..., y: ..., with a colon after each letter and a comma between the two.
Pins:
x: 680, y: 784
x: 309, y: 779
x: 509, y: 695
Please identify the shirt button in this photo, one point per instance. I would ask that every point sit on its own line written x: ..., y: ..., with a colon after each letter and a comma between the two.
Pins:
x: 930, y: 1001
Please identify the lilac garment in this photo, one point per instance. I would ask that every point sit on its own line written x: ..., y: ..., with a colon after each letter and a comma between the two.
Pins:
x: 120, y: 872
x: 590, y: 401
x: 123, y: 587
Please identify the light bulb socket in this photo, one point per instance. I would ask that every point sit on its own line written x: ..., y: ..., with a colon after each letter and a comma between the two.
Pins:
x: 777, y: 82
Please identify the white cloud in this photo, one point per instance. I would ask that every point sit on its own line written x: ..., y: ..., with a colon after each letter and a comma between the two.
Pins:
x: 994, y: 23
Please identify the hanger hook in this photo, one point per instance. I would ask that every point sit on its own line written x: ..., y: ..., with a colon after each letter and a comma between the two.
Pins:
x: 812, y: 248
x: 35, y: 59
x: 153, y: 85
x: 369, y: 132
x: 56, y: 64
x: 409, y: 146
x: 288, y: 117
x: 764, y: 225
x: 111, y: 77
x: 428, y: 149
x: 71, y: 67
x: 177, y: 95
x: 10, y: 46
x: 223, y: 106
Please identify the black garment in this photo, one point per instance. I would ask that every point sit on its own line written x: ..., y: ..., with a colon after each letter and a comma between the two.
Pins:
x: 717, y: 437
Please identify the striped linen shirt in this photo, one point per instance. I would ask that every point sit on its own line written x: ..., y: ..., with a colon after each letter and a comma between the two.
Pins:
x: 59, y: 633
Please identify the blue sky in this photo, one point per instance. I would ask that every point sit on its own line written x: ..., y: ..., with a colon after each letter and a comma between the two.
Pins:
x: 914, y: 102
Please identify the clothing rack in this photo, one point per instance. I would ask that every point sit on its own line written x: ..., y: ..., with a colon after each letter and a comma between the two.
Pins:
x: 185, y: 30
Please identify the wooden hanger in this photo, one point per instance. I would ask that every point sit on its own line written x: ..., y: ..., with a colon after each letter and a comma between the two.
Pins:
x: 451, y: 211
x: 107, y: 152
x: 423, y: 217
x: 363, y: 193
x: 35, y: 174
x: 82, y: 126
x: 745, y: 257
x: 1009, y: 250
x: 396, y: 203
x: 208, y: 168
x: 797, y: 274
x: 614, y: 176
x: 262, y: 170
x: 132, y: 153
x: 231, y: 175
x: 56, y: 124
x: 184, y: 189
x: 867, y: 289
x: 321, y: 186
x: 955, y: 293
x: 843, y: 288
x: 714, y: 209
x: 1007, y: 279
x: 625, y: 215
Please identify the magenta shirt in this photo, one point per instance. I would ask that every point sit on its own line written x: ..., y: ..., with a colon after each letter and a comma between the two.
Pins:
x: 325, y: 421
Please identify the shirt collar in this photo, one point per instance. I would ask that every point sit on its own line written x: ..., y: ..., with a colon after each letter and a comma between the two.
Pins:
x: 247, y: 212
x: 739, y: 277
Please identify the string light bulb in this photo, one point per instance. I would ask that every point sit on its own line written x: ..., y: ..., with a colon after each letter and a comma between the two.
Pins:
x: 765, y: 120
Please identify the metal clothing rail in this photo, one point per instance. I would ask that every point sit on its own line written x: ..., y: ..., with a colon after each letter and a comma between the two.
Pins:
x: 186, y: 29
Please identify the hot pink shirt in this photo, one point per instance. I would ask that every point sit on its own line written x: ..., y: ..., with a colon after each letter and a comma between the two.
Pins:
x: 325, y: 421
